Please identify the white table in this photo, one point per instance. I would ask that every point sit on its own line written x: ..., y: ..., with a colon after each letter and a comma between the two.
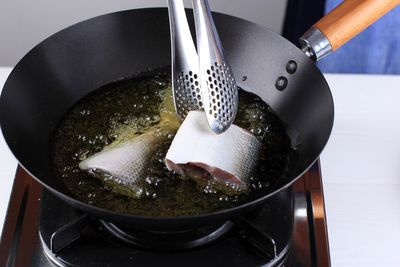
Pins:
x: 8, y: 164
x: 361, y: 171
x: 360, y: 167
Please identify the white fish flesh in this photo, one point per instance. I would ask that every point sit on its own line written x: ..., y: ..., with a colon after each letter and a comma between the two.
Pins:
x: 229, y: 157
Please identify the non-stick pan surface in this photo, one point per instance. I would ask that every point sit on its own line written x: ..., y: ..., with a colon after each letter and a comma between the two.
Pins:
x: 62, y: 69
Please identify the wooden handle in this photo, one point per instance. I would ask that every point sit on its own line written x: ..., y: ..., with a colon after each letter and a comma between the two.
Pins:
x: 352, y: 17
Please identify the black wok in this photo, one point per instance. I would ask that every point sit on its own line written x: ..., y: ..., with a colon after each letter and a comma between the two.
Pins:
x: 62, y: 69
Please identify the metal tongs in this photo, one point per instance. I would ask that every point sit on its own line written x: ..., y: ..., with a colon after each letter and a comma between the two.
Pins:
x: 202, y: 81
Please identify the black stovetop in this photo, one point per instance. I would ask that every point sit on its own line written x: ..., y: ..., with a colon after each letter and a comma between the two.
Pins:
x: 41, y: 230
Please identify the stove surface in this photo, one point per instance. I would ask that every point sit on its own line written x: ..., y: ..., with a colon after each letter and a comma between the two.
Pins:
x: 41, y: 230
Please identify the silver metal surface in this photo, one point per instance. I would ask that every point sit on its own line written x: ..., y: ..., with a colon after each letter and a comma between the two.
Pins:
x: 218, y: 85
x: 185, y: 62
x: 315, y: 44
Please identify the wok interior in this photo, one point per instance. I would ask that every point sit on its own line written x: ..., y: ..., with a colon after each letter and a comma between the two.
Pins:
x: 70, y: 64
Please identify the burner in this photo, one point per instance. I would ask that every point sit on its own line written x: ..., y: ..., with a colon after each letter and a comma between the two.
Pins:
x: 168, y: 241
x: 70, y: 238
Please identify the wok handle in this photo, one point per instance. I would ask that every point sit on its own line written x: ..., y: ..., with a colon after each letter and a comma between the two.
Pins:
x: 341, y: 24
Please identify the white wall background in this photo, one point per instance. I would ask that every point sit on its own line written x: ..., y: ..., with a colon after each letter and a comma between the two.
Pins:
x: 24, y: 23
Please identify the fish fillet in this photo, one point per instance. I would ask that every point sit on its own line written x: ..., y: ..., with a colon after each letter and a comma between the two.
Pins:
x: 123, y: 163
x: 229, y: 157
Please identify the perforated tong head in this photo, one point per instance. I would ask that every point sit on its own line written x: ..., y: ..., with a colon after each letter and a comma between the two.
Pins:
x: 202, y: 81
